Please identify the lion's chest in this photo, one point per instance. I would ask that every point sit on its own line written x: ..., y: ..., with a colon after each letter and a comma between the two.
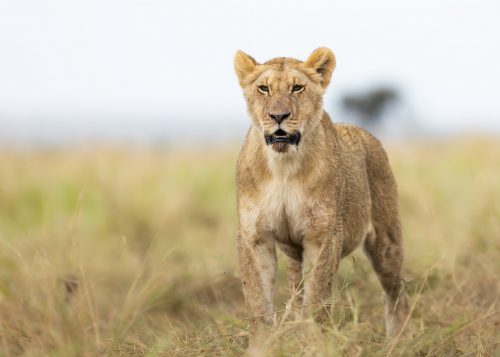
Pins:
x: 285, y: 210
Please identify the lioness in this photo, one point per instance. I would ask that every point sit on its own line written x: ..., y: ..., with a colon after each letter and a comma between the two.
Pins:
x: 316, y: 189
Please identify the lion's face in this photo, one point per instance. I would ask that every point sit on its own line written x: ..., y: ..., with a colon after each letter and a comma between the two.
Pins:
x: 284, y: 95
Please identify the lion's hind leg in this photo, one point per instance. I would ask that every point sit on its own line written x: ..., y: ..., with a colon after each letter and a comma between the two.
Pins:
x: 294, y: 259
x: 384, y: 250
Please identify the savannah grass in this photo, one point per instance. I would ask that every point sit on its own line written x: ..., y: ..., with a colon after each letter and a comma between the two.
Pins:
x: 131, y: 251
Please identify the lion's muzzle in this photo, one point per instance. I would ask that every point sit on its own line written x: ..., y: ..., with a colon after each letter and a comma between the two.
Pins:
x: 281, y: 136
x: 280, y: 140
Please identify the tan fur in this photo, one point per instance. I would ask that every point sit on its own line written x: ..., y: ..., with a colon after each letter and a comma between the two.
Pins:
x: 317, y: 200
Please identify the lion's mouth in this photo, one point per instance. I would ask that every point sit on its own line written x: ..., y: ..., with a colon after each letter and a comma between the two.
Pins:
x: 281, y: 136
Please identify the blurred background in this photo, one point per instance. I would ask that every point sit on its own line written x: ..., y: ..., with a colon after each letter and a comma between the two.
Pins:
x: 120, y: 125
x: 162, y: 72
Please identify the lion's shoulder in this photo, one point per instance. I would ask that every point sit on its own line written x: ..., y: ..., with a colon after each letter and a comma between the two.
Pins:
x: 353, y: 136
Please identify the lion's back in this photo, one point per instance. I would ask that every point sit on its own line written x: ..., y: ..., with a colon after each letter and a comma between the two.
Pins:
x: 358, y: 142
x: 381, y: 180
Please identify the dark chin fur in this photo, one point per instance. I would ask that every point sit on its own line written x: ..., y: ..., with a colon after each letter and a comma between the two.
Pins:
x: 280, y: 147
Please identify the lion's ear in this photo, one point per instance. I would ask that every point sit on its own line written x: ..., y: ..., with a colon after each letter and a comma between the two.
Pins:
x: 243, y: 65
x: 322, y: 60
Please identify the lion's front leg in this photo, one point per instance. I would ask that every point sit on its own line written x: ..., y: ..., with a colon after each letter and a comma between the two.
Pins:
x: 258, y: 264
x: 322, y: 252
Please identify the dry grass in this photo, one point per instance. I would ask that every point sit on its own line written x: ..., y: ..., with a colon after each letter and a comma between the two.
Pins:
x: 131, y: 252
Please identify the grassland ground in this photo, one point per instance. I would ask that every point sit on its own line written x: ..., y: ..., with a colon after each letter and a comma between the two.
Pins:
x: 131, y: 251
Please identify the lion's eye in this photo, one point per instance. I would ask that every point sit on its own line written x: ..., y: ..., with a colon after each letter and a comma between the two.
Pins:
x: 263, y: 89
x: 297, y: 88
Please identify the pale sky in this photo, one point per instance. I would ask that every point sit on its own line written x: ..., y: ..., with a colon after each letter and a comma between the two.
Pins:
x: 125, y: 67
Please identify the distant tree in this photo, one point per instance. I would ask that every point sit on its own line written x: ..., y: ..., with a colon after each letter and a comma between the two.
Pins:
x: 370, y: 106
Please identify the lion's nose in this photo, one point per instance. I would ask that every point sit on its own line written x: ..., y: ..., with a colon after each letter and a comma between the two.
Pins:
x: 279, y: 117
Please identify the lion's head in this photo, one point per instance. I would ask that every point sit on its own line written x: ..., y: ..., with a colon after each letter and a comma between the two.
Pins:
x: 284, y: 95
